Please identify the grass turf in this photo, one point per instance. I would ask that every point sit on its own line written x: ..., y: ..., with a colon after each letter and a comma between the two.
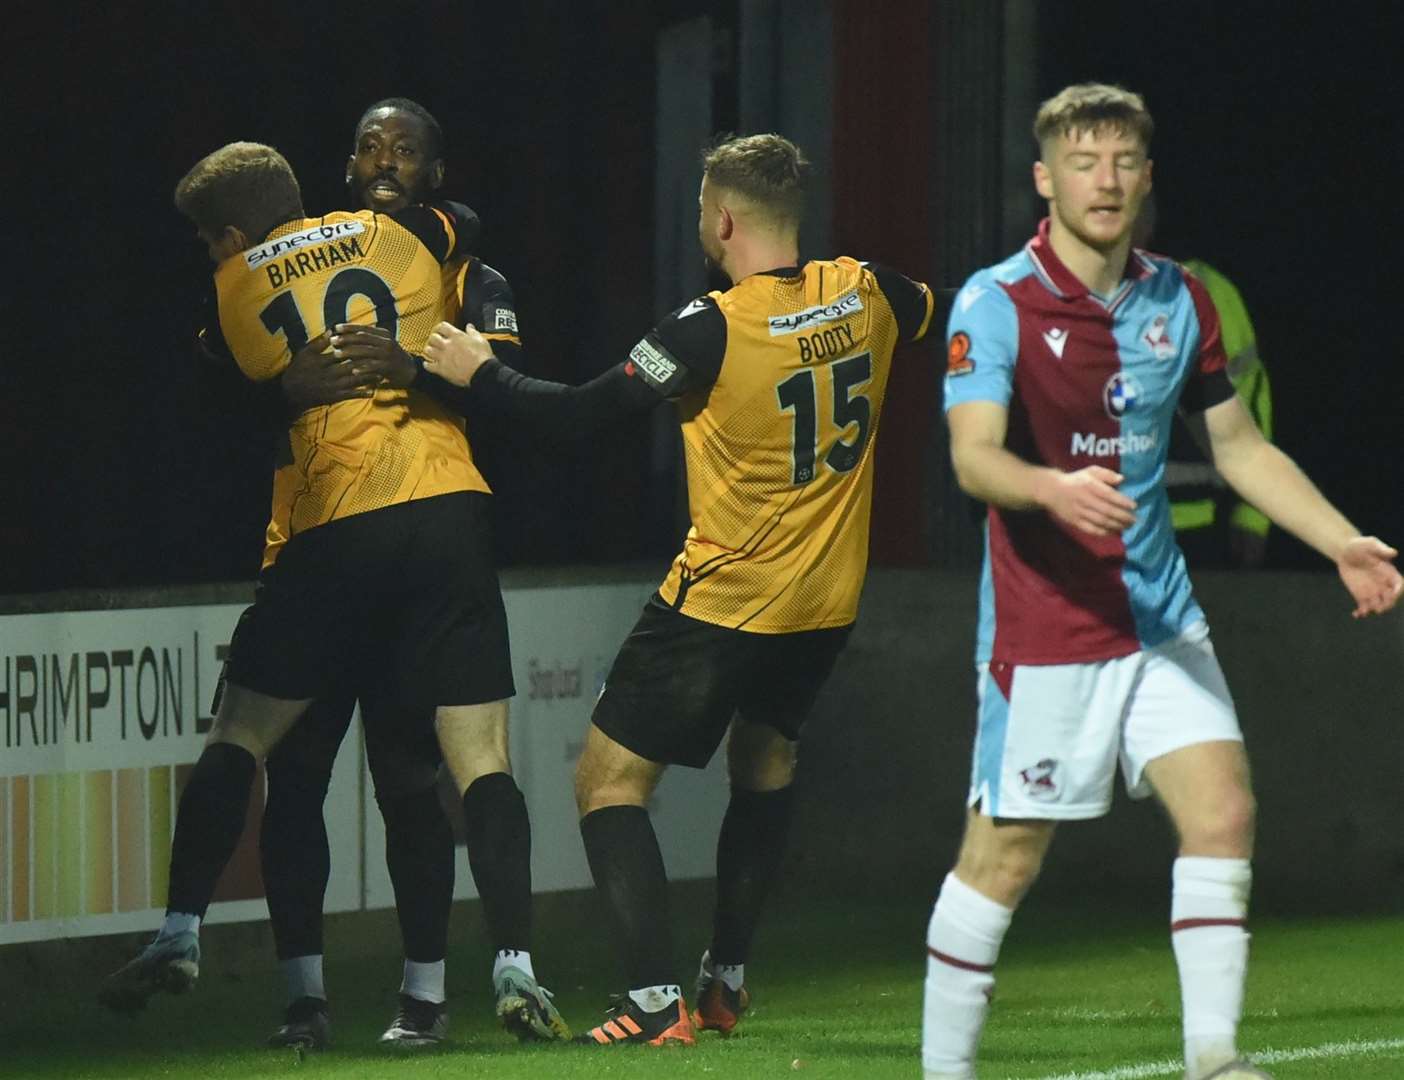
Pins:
x: 837, y: 988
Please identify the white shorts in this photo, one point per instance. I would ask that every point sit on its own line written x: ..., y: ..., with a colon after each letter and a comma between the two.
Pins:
x: 1049, y: 736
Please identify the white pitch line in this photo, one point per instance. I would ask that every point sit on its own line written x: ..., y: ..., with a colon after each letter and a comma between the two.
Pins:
x: 1351, y: 1048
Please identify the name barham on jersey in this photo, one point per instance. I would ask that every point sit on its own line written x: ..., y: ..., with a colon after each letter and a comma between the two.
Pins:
x: 327, y: 246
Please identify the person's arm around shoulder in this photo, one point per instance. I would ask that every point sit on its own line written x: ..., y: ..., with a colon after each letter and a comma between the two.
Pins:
x: 683, y: 354
x: 460, y: 357
x: 1086, y: 499
x: 1270, y: 480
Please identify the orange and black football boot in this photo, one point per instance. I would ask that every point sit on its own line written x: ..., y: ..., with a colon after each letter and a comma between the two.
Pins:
x: 626, y: 1022
x: 718, y: 1006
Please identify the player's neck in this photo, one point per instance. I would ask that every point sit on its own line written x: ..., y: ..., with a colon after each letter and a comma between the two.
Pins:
x: 1100, y: 270
x: 760, y: 258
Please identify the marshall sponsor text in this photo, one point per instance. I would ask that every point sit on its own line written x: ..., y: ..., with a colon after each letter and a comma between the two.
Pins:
x: 1088, y: 444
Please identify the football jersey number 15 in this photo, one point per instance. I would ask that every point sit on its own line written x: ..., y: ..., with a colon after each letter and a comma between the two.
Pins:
x: 798, y: 394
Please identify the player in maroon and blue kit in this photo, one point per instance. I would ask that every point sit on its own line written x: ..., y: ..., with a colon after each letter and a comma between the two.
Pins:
x: 1066, y: 365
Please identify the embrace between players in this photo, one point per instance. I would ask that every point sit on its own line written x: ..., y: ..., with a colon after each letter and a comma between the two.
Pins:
x: 378, y: 581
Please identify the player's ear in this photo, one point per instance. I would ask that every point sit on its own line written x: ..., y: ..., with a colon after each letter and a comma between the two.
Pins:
x: 1043, y: 180
x: 726, y: 224
x: 227, y: 242
x: 349, y: 162
x: 236, y: 239
x: 436, y: 174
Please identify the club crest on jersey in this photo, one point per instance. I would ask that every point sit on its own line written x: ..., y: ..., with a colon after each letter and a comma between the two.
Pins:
x: 1120, y: 395
x: 846, y: 305
x: 1040, y: 780
x: 1157, y: 337
x: 958, y: 358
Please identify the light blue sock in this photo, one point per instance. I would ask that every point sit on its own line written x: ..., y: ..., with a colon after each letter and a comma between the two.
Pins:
x: 179, y: 922
x: 304, y: 977
x: 424, y: 981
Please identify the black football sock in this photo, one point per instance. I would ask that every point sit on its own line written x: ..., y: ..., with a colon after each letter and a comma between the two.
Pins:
x: 419, y: 855
x: 499, y: 854
x: 628, y: 870
x: 296, y: 856
x: 208, y: 825
x: 749, y: 850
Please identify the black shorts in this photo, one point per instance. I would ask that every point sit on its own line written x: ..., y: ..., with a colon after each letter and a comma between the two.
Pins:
x: 678, y: 681
x: 399, y: 605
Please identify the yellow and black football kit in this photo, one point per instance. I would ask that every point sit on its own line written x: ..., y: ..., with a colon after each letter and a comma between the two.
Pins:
x: 308, y: 275
x: 401, y: 761
x: 779, y: 384
x: 378, y: 571
x: 779, y: 447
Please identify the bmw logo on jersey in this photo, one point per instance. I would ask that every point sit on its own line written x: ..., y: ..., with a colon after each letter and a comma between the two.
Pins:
x: 1120, y: 395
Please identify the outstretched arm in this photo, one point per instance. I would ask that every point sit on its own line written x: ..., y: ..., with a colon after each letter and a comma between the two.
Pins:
x: 1086, y: 499
x: 1270, y: 480
x: 464, y: 357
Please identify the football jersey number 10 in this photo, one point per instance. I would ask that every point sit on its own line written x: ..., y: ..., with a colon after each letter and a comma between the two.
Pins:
x: 282, y: 314
x: 798, y: 393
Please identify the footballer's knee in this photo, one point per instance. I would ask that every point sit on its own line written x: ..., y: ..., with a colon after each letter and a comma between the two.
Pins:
x: 759, y: 758
x: 473, y: 740
x: 253, y: 721
x: 1223, y: 827
x: 610, y: 774
x: 1002, y: 859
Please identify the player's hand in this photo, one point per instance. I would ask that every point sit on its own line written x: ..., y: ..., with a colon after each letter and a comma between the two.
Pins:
x: 374, y: 355
x: 1367, y: 568
x: 1088, y: 500
x: 316, y: 377
x: 454, y: 354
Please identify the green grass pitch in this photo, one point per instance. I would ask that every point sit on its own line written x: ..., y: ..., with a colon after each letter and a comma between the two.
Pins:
x: 837, y: 987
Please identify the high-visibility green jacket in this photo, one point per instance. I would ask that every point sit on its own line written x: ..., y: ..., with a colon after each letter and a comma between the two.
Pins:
x: 1195, y: 489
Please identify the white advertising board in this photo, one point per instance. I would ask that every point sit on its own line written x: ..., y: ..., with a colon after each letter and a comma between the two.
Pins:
x: 103, y: 713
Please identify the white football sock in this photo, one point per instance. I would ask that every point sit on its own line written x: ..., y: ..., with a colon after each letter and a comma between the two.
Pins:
x: 424, y: 981
x: 1208, y: 915
x: 733, y: 975
x: 653, y: 998
x: 179, y: 922
x: 517, y: 958
x: 304, y: 977
x: 962, y: 944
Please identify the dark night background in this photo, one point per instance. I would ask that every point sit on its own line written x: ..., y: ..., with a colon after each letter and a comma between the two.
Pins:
x: 128, y: 463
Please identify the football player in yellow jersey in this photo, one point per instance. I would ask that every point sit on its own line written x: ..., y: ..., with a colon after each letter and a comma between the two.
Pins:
x: 779, y: 383
x: 378, y: 573
x: 397, y: 161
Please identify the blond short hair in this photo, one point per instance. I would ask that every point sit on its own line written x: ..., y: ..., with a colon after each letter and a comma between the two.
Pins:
x: 244, y: 184
x: 1093, y: 107
x: 768, y: 171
